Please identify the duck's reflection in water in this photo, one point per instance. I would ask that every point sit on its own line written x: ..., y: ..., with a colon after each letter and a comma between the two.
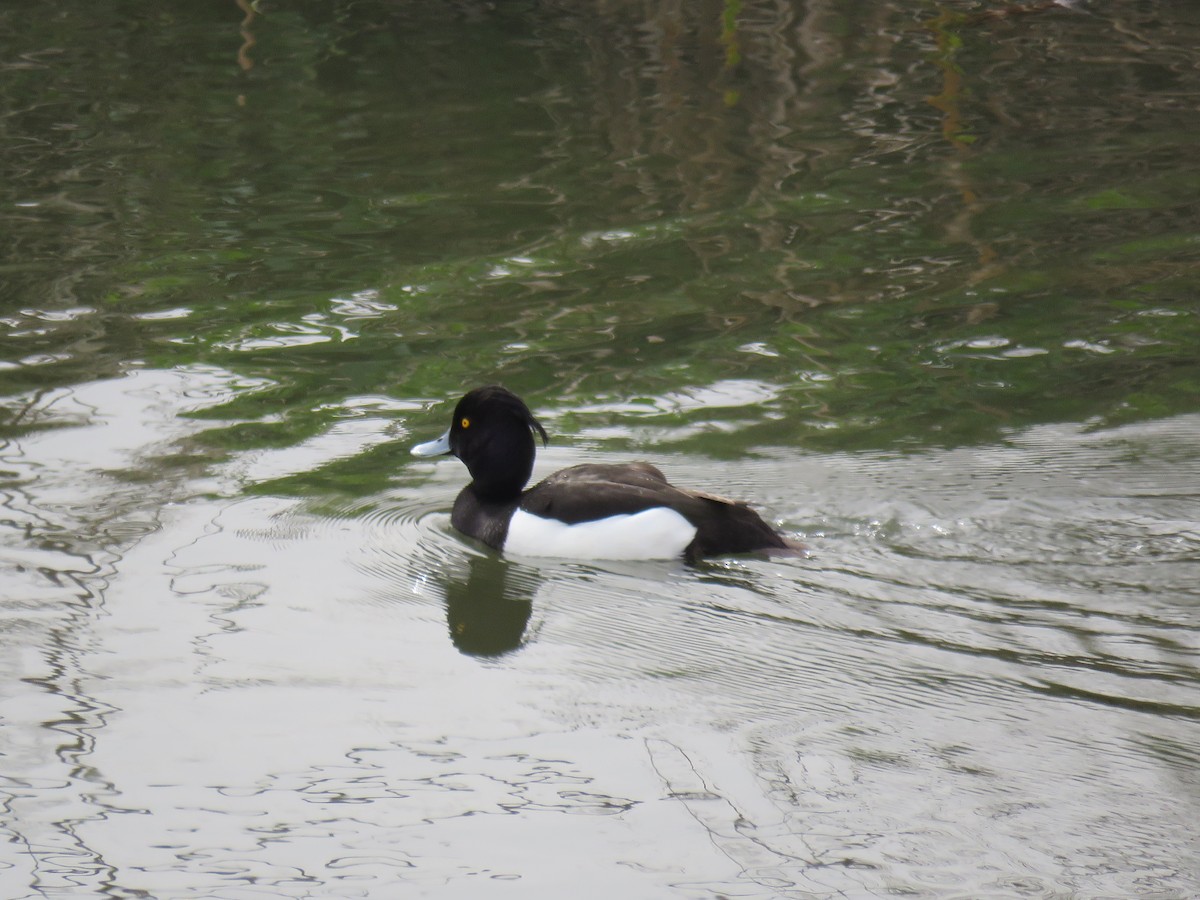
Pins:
x: 488, y: 604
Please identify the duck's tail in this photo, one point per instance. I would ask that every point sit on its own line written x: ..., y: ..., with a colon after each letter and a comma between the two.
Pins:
x: 791, y: 548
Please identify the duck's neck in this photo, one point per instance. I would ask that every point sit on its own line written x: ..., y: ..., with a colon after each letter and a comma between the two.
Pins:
x: 494, y: 491
x: 507, y: 470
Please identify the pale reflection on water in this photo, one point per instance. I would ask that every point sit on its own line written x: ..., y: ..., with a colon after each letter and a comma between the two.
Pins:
x: 982, y: 683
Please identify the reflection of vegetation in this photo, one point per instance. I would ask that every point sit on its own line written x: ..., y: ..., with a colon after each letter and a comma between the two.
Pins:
x: 948, y: 101
x: 418, y: 197
x: 729, y: 38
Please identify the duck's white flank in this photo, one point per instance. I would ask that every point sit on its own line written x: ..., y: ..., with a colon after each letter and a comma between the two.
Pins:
x: 658, y: 533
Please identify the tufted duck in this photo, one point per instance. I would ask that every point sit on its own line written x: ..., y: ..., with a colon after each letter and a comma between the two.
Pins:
x: 627, y: 511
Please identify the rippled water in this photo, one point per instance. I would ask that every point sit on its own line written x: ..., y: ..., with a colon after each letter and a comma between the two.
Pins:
x: 981, y: 682
x: 920, y: 284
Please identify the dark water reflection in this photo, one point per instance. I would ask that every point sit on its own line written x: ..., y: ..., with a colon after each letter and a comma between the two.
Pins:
x: 488, y: 606
x: 920, y: 283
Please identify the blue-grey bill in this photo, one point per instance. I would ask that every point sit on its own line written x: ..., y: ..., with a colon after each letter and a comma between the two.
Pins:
x: 438, y: 447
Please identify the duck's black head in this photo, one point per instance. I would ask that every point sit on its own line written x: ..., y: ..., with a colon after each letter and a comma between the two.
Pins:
x: 492, y: 433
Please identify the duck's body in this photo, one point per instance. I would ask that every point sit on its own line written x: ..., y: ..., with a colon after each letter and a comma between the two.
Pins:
x: 625, y: 511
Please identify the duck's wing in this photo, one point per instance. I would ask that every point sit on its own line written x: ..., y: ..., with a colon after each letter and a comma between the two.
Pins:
x: 588, y: 492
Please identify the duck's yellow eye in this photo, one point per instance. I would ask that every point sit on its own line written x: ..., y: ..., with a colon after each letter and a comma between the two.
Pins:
x: 465, y: 422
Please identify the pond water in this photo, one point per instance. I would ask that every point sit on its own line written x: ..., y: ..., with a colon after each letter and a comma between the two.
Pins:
x: 921, y: 282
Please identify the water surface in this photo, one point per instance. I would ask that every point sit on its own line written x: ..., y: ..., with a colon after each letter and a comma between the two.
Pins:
x: 920, y: 283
